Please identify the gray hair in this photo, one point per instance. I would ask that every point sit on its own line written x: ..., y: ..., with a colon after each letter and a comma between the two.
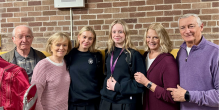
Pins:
x: 13, y: 32
x: 191, y: 14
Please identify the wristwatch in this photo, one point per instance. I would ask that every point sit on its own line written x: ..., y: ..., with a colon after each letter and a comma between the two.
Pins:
x: 149, y: 85
x: 187, y: 96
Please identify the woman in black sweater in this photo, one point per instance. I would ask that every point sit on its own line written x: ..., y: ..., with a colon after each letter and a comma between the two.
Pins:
x: 120, y: 90
x: 84, y: 63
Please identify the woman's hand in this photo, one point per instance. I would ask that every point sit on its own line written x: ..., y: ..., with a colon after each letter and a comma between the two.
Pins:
x: 111, y: 82
x: 140, y: 78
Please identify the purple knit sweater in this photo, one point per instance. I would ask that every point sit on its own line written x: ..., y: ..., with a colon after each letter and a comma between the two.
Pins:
x: 199, y: 74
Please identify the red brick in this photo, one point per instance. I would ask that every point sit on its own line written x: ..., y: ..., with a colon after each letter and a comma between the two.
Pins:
x: 170, y: 31
x: 146, y: 20
x: 7, y: 5
x: 145, y: 8
x: 172, y: 1
x: 34, y: 14
x: 163, y: 19
x: 155, y: 13
x: 56, y: 18
x: 130, y: 26
x: 189, y: 1
x: 216, y: 42
x: 35, y: 24
x: 27, y: 9
x: 163, y: 7
x: 50, y: 28
x: 215, y: 17
x: 63, y: 12
x: 106, y: 16
x: 206, y: 30
x: 13, y: 9
x: 105, y: 26
x: 75, y: 17
x: 96, y: 11
x: 215, y: 4
x: 129, y: 9
x: 33, y: 3
x: 215, y: 29
x: 210, y: 36
x: 94, y: 22
x: 41, y: 8
x: 165, y: 25
x: 130, y: 20
x: 167, y: 13
x: 136, y: 3
x: 35, y: 29
x: 154, y: 2
x: 61, y: 23
x: 205, y: 17
x: 42, y: 18
x: 2, y: 0
x: 102, y: 38
x: 13, y: 20
x: 20, y: 4
x: 210, y: 11
x: 27, y: 19
x: 42, y: 28
x: 3, y: 20
x: 137, y: 26
x: 201, y: 5
x: 7, y: 25
x: 112, y: 10
x: 104, y: 5
x: 94, y: 1
x: 81, y: 11
x: 47, y: 2
x: 66, y: 28
x: 35, y: 34
x: 197, y: 11
x: 80, y: 22
x: 138, y: 14
x: 181, y: 6
x: 120, y: 4
x: 88, y: 16
x: 211, y: 23
x: 174, y: 24
x: 91, y: 5
x: 17, y: 24
x: 21, y: 14
x: 45, y: 13
x: 121, y: 15
x: 49, y: 23
x: 100, y: 33
x: 7, y: 15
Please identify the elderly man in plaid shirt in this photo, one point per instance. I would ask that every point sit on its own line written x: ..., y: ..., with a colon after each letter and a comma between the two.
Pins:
x: 23, y: 54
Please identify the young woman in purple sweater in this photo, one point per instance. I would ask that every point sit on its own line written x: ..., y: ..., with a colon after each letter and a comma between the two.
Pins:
x: 162, y: 70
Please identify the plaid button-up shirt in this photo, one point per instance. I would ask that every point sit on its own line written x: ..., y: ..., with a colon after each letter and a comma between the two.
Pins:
x: 26, y: 63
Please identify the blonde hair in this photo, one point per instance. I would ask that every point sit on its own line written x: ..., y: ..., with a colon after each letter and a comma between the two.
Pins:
x: 92, y: 47
x: 57, y: 37
x: 165, y: 43
x: 127, y: 43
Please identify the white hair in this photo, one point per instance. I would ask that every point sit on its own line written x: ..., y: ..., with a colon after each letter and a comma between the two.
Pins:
x: 13, y: 32
x: 191, y: 14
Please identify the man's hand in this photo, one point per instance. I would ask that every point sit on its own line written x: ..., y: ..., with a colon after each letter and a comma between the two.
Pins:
x: 111, y: 82
x: 178, y: 94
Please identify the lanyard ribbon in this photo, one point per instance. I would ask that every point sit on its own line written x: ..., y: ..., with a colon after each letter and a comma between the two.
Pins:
x: 112, y: 66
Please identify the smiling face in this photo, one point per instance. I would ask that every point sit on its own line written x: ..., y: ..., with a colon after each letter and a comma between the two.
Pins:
x: 86, y: 40
x: 59, y: 48
x: 118, y: 35
x: 190, y: 30
x: 23, y: 38
x: 152, y: 40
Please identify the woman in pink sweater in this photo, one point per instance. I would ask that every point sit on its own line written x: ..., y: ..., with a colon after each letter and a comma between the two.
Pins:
x: 51, y: 76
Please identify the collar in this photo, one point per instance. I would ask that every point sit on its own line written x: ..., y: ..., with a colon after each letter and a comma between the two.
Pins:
x: 195, y: 47
x: 19, y: 57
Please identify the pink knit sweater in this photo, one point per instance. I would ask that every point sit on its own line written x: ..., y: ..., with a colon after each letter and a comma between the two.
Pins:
x: 52, y: 81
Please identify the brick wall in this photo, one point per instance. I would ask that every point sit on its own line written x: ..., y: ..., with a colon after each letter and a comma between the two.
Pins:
x: 45, y: 20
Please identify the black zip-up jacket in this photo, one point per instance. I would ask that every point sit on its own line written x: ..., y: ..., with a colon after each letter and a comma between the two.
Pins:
x: 126, y: 88
x: 86, y: 72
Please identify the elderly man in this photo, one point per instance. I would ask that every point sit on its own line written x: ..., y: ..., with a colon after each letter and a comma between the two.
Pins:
x: 198, y: 61
x: 23, y: 54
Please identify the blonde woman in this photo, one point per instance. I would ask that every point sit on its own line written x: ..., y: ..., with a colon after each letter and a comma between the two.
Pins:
x: 162, y: 70
x: 120, y: 90
x: 84, y: 63
x: 51, y: 77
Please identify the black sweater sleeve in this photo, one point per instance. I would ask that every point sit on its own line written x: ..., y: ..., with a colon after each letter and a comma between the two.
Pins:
x: 131, y: 86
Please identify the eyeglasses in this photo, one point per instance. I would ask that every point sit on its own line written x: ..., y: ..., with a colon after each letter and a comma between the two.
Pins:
x: 21, y: 37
